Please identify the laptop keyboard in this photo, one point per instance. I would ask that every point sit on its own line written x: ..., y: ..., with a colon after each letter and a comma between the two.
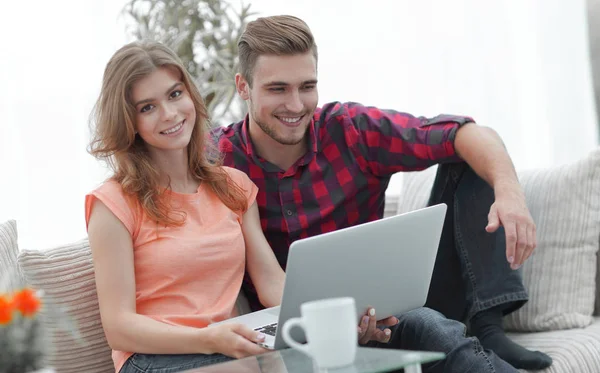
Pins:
x: 268, y: 329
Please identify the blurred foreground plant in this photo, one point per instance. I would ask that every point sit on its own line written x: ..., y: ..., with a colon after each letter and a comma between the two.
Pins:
x: 21, y: 335
x: 24, y: 340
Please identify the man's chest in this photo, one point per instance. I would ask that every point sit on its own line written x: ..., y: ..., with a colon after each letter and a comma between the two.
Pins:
x: 316, y: 198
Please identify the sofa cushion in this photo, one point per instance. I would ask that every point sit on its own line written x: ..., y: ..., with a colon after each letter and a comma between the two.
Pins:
x: 66, y: 275
x: 572, y: 351
x: 9, y: 273
x: 561, y: 274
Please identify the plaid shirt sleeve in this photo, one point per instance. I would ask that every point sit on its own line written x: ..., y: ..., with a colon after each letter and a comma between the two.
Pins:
x: 386, y: 141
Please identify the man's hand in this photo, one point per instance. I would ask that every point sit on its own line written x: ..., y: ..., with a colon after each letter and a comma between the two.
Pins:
x: 368, y: 329
x: 510, y: 211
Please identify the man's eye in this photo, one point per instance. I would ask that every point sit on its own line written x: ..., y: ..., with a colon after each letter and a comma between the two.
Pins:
x: 276, y: 89
x: 146, y: 108
x: 309, y: 87
x: 175, y: 94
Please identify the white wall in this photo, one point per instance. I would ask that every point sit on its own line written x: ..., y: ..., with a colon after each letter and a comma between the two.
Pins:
x: 520, y: 67
x: 51, y: 65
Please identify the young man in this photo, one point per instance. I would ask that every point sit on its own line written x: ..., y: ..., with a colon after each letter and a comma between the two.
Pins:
x: 321, y: 169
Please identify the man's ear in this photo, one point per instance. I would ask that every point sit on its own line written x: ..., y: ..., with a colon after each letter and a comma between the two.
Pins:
x: 242, y: 86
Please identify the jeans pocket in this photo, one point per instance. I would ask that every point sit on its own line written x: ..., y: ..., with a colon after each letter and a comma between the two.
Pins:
x: 137, y: 363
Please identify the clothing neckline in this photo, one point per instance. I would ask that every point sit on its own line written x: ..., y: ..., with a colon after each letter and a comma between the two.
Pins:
x: 186, y: 196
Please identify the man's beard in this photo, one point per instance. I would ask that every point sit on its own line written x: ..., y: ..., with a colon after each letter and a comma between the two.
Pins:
x: 273, y: 134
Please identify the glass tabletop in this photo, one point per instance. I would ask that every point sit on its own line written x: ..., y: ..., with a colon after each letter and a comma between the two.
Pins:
x: 368, y: 360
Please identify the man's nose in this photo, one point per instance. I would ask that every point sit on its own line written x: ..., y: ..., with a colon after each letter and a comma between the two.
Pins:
x: 294, y: 103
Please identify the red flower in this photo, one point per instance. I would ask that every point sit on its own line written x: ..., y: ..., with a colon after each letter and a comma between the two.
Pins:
x: 6, y: 309
x: 27, y: 302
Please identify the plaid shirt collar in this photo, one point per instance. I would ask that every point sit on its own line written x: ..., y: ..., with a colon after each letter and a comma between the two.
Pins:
x: 313, y: 145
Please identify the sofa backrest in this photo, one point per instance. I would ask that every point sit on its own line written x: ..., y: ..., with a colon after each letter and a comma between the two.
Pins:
x: 561, y: 274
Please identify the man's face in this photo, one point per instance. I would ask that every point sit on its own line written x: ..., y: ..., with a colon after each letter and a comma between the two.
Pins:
x: 283, y: 96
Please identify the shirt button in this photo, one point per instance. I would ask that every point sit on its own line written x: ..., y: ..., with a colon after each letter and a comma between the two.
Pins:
x: 289, y: 212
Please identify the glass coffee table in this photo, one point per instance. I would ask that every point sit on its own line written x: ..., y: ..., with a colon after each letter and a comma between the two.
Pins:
x: 368, y: 360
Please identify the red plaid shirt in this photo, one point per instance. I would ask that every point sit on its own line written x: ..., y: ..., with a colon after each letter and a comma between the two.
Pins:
x: 353, y: 151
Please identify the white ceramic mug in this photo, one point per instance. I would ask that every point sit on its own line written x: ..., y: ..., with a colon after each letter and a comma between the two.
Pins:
x: 330, y: 329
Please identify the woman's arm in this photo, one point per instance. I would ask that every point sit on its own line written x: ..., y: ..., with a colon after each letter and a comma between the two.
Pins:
x: 264, y: 270
x: 126, y: 330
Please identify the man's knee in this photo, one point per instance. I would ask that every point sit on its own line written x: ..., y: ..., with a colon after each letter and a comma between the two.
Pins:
x: 428, y: 329
x: 427, y: 319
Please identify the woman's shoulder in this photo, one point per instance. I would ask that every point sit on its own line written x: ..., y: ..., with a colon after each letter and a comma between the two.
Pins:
x: 113, y: 196
x: 112, y: 190
x: 235, y: 174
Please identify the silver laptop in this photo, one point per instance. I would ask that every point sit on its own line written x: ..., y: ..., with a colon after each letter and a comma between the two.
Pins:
x: 386, y: 264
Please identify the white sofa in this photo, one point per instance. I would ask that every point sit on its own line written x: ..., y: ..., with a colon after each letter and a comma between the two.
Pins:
x: 561, y: 275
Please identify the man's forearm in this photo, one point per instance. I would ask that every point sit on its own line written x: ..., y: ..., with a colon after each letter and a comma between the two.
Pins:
x: 484, y: 151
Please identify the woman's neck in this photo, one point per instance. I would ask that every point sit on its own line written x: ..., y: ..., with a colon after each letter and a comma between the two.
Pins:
x: 174, y: 171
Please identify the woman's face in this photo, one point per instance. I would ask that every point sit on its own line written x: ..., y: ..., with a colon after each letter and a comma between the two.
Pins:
x: 165, y: 112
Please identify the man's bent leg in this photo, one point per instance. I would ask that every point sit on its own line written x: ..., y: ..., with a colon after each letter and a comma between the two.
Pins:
x: 471, y: 263
x: 424, y: 329
x: 471, y: 266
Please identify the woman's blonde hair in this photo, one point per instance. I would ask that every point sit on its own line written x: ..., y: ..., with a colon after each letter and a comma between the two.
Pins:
x: 115, y: 141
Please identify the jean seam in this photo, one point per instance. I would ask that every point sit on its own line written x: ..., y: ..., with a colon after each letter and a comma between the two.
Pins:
x: 478, y: 350
x: 456, y: 175
x: 501, y: 299
x: 134, y: 365
x: 465, y: 260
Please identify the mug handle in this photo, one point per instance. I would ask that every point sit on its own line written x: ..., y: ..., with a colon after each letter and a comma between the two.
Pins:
x: 285, y: 333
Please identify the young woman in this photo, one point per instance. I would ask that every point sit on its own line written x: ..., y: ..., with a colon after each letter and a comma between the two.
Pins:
x: 172, y: 232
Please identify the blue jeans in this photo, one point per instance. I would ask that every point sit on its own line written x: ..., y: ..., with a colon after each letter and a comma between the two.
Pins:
x: 471, y: 273
x: 427, y: 330
x: 151, y: 363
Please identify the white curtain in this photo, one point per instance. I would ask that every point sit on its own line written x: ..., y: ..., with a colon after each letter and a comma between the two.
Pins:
x: 520, y: 67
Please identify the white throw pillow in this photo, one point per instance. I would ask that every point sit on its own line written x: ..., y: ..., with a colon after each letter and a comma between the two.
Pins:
x: 66, y: 274
x: 9, y: 273
x: 561, y: 274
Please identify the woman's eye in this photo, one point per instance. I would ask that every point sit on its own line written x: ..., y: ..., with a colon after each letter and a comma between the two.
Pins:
x: 146, y: 108
x: 175, y: 94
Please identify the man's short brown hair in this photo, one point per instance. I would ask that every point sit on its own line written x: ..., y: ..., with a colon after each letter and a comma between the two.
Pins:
x: 276, y: 35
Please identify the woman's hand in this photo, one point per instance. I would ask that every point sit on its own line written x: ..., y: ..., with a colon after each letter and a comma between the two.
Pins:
x: 235, y: 340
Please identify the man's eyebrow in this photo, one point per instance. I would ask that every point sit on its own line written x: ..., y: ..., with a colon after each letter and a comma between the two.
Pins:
x: 278, y: 83
x: 274, y: 83
x: 166, y: 93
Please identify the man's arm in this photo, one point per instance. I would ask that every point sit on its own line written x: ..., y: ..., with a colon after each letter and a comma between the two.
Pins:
x: 484, y: 151
x: 384, y: 142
